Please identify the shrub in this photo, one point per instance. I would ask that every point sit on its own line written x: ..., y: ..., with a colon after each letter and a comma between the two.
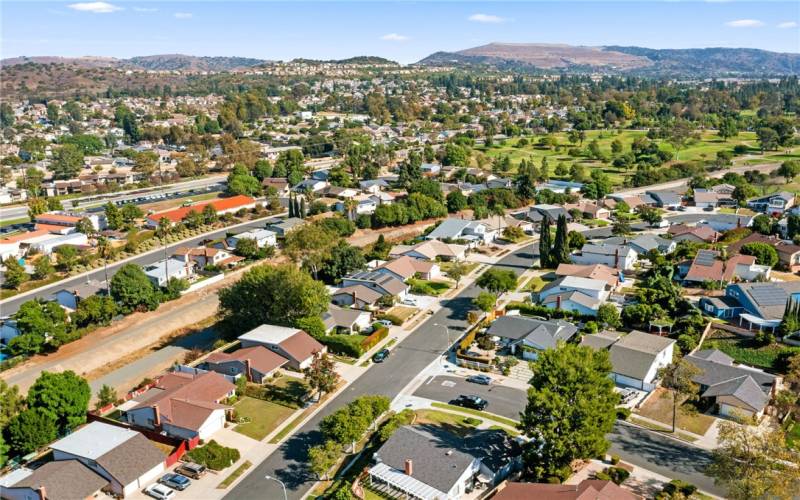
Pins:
x: 345, y: 345
x: 616, y: 474
x: 213, y: 455
x: 614, y: 459
x: 623, y: 413
x: 472, y: 421
x: 379, y: 334
x: 676, y: 488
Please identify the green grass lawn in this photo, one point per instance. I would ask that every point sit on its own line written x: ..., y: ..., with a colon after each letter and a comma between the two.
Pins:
x: 234, y: 475
x: 705, y: 148
x: 535, y: 284
x: 264, y: 417
x: 793, y: 436
x: 9, y: 222
x: 428, y: 287
x: 286, y: 391
x: 456, y: 424
x: 477, y: 413
x: 745, y: 350
x: 468, y: 267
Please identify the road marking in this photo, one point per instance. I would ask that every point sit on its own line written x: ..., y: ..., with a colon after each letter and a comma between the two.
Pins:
x: 430, y: 379
x: 448, y: 383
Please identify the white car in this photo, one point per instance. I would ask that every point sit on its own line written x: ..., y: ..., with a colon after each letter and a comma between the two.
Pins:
x: 385, y: 322
x: 160, y: 492
x: 410, y: 302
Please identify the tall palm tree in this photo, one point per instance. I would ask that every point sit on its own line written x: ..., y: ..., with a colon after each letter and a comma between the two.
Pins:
x: 104, y: 250
x: 350, y: 207
x: 162, y: 231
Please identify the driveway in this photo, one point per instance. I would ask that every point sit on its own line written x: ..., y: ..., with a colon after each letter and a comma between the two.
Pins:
x: 643, y: 448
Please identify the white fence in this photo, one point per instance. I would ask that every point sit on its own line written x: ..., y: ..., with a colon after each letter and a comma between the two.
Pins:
x: 204, y: 283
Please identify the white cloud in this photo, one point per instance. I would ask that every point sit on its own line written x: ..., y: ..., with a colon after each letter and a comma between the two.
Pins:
x: 787, y: 25
x: 183, y: 15
x: 486, y: 18
x: 745, y: 23
x: 145, y: 9
x: 394, y: 37
x: 95, y: 7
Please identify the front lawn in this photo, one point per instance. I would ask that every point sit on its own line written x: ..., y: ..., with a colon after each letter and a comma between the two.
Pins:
x: 793, y: 436
x: 262, y: 417
x: 287, y: 391
x: 535, y: 284
x: 428, y: 287
x: 746, y: 351
x: 402, y: 312
x: 467, y: 266
x: 457, y: 424
x: 660, y: 409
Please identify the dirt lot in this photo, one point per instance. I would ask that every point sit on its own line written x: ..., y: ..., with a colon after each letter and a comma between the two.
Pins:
x: 660, y: 408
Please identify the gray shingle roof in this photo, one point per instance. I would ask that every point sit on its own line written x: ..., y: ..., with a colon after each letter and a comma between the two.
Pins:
x: 717, y: 373
x: 64, y: 480
x: 633, y: 355
x: 744, y: 388
x: 130, y: 460
x: 540, y: 332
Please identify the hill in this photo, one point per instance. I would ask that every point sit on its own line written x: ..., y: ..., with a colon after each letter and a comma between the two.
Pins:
x: 710, y: 62
x: 163, y: 62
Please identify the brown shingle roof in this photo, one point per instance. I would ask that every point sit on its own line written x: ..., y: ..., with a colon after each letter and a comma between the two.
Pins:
x: 592, y: 271
x: 64, y: 480
x: 588, y: 489
x: 301, y: 346
x: 261, y: 358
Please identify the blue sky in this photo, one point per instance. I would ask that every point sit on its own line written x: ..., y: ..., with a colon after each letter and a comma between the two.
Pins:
x: 404, y: 31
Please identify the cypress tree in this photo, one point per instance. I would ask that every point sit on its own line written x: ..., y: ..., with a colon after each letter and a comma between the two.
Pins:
x: 545, y: 245
x: 560, y: 253
x: 302, y: 208
x: 291, y: 205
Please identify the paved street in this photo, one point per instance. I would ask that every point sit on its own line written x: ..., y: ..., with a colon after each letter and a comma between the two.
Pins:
x: 9, y: 306
x: 409, y: 358
x: 646, y: 449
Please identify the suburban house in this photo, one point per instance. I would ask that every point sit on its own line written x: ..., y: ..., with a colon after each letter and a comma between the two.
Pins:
x: 430, y: 463
x: 341, y: 320
x: 430, y: 250
x: 49, y: 244
x: 561, y: 187
x: 636, y: 357
x: 70, y: 297
x: 430, y: 169
x: 263, y: 238
x: 588, y: 489
x: 363, y: 204
x: 773, y: 204
x: 310, y: 186
x: 295, y: 345
x: 737, y: 390
x: 71, y: 219
x: 726, y: 222
x: 356, y: 296
x: 589, y: 209
x: 471, y: 232
x: 126, y: 459
x: 373, y: 186
x: 696, y: 234
x: 60, y: 480
x: 220, y: 206
x: 621, y: 257
x: 543, y: 211
x: 159, y: 273
x: 666, y: 199
x: 788, y: 252
x: 256, y: 364
x: 592, y: 271
x: 280, y: 184
x: 572, y: 293
x: 405, y: 267
x: 285, y: 226
x: 708, y: 265
x: 759, y: 305
x: 707, y: 198
x: 183, y: 405
x: 200, y: 257
x: 530, y: 334
x: 644, y: 243
x: 382, y: 282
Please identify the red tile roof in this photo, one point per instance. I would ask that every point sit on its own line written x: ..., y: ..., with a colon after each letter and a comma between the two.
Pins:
x: 588, y: 489
x: 222, y: 204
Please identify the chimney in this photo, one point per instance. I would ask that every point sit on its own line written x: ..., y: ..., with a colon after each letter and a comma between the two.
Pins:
x: 42, y: 493
x: 558, y: 301
x: 248, y: 373
x: 409, y: 468
x: 156, y: 416
x: 354, y: 298
x: 616, y: 257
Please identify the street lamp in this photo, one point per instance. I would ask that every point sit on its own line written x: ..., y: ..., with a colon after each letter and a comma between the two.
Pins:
x: 270, y: 478
x: 449, y: 343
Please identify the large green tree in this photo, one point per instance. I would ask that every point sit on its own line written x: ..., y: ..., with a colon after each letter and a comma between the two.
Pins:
x: 64, y: 396
x: 30, y: 430
x: 274, y: 295
x: 545, y: 244
x: 571, y: 407
x: 67, y: 162
x: 498, y: 281
x: 560, y: 254
x: 310, y: 245
x: 132, y: 290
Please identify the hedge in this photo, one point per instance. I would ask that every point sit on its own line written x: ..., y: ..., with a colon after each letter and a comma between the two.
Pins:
x: 468, y: 339
x: 376, y: 336
x: 214, y: 456
x: 538, y: 310
x: 345, y: 345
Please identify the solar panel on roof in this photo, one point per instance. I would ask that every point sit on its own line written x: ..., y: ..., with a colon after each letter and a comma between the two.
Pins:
x: 769, y: 295
x: 705, y: 258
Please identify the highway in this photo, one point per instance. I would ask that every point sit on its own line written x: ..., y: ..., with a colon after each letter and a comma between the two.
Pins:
x: 9, y: 306
x: 21, y: 211
x: 289, y: 462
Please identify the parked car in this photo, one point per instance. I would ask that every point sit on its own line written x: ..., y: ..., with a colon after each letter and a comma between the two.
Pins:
x: 380, y: 356
x: 474, y: 402
x: 192, y: 470
x: 480, y: 379
x: 708, y: 209
x: 175, y: 481
x: 410, y: 302
x: 159, y: 491
x: 385, y: 322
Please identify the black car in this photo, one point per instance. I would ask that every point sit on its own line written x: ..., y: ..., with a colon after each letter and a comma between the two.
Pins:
x: 175, y: 481
x: 474, y: 402
x: 381, y: 355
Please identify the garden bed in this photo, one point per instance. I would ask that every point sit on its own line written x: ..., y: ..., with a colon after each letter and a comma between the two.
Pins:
x: 746, y: 350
